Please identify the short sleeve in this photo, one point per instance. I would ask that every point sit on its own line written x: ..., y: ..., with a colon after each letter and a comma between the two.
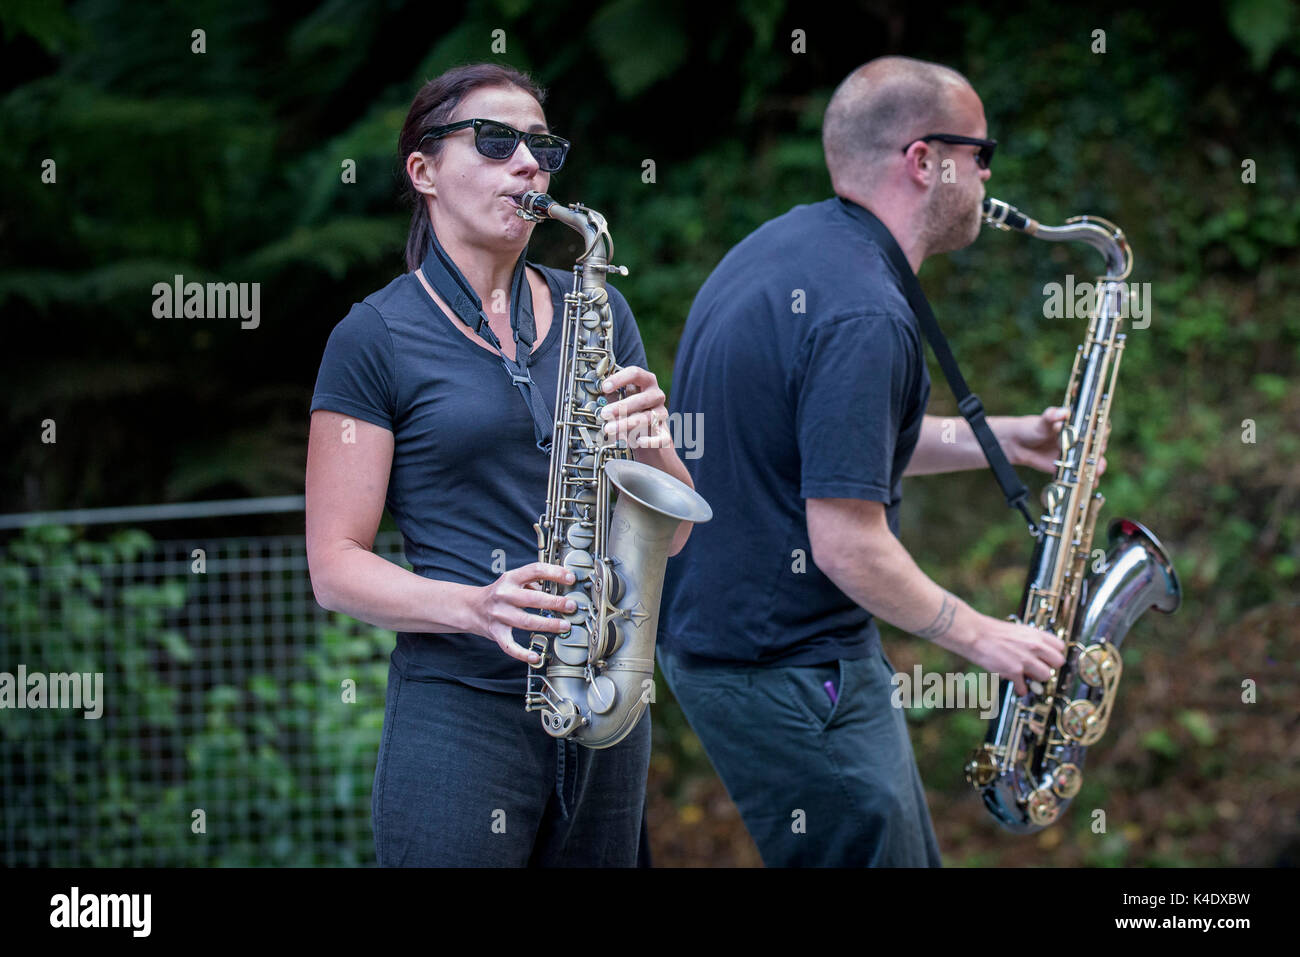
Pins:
x: 628, y: 347
x: 851, y: 402
x: 356, y: 371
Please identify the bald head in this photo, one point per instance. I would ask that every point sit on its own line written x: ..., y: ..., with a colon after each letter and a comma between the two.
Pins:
x: 879, y: 108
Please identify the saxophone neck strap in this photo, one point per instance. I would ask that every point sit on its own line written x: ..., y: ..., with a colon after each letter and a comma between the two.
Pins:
x: 454, y: 289
x: 972, y: 409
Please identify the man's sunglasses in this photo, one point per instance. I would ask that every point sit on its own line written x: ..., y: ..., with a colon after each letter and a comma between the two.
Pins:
x: 982, y: 158
x: 499, y: 142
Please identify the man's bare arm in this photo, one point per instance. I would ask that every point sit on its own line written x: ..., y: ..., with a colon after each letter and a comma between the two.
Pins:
x: 854, y: 548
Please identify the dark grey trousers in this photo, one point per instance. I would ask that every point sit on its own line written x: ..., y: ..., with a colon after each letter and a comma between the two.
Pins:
x: 468, y: 778
x: 817, y: 784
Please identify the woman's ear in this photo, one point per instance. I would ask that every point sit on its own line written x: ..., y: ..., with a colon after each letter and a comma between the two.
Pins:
x: 420, y: 170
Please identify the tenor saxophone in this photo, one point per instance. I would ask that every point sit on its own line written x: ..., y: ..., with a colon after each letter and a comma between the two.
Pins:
x: 1031, y: 763
x: 599, y: 676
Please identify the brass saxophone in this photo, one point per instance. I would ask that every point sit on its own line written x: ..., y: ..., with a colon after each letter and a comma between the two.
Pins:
x: 1031, y: 763
x: 600, y: 674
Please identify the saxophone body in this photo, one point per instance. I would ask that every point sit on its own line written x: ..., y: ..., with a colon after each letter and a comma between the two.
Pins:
x: 610, y: 520
x: 1030, y: 766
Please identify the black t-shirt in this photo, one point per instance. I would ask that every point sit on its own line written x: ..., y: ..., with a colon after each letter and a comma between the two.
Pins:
x: 467, y: 480
x: 805, y: 361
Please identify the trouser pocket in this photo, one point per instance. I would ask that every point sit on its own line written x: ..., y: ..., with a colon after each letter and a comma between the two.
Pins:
x: 817, y: 690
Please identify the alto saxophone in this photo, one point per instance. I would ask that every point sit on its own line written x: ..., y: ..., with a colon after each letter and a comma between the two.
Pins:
x: 1031, y: 763
x: 600, y: 674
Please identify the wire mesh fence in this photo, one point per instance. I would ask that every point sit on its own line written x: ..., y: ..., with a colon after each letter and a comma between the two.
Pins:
x: 182, y: 703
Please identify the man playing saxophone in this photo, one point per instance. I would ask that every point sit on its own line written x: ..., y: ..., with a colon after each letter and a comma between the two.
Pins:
x: 802, y: 354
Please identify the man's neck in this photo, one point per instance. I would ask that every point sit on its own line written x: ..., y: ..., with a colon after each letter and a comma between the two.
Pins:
x: 901, y: 223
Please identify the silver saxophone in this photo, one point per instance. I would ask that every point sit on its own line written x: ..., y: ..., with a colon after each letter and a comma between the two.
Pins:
x: 1031, y: 763
x: 599, y: 675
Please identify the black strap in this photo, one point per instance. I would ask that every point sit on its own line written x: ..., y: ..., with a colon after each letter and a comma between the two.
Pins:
x: 972, y: 409
x: 451, y: 285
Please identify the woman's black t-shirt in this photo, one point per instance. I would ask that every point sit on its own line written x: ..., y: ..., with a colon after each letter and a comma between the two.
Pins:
x: 467, y: 481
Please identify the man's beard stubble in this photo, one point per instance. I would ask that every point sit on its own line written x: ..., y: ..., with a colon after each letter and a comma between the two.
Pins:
x: 952, y: 219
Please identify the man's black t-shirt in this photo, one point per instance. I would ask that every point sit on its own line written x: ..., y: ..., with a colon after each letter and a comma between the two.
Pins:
x: 804, y: 360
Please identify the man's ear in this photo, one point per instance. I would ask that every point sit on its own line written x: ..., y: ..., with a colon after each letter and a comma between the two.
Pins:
x: 927, y: 166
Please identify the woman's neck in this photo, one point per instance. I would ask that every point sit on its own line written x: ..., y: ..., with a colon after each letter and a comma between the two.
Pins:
x: 489, y: 273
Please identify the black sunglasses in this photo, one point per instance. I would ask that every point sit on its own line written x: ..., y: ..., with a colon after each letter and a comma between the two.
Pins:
x: 498, y: 141
x: 982, y: 158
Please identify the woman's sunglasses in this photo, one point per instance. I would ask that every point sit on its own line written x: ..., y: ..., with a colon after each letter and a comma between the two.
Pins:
x: 983, y: 157
x: 499, y: 142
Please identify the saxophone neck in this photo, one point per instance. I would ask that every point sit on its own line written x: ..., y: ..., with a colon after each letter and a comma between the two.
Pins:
x: 590, y: 224
x: 1101, y: 234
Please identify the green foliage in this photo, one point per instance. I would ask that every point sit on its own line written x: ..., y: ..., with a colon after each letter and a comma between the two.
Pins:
x: 638, y: 44
x: 1261, y: 26
x: 227, y: 165
x: 280, y: 762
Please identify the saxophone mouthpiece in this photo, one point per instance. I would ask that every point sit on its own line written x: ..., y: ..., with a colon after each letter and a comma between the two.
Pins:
x: 532, y: 205
x: 1002, y: 215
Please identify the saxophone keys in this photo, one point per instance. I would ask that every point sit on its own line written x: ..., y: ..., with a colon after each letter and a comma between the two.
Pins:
x: 981, y: 768
x: 601, y: 694
x: 1095, y: 663
x: 537, y: 643
x: 580, y: 562
x: 579, y: 615
x: 1052, y: 496
x: 1067, y: 438
x: 1075, y: 721
x: 1043, y: 807
x: 590, y: 319
x: 563, y: 721
x: 580, y: 537
x: 571, y: 648
x: 615, y: 586
x: 1067, y: 780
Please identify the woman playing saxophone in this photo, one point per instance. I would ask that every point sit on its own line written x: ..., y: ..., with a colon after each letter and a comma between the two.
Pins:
x: 435, y: 397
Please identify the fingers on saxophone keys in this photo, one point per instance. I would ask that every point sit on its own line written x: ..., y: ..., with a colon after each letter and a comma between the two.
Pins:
x: 655, y: 438
x: 527, y: 575
x: 532, y: 598
x: 640, y: 402
x: 1038, y: 671
x: 633, y: 379
x: 537, y: 623
x: 1055, y: 651
x: 554, y: 603
x: 518, y: 618
x: 516, y: 651
x: 643, y: 430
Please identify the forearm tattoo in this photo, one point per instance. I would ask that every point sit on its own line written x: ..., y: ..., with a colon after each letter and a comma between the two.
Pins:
x: 942, y: 621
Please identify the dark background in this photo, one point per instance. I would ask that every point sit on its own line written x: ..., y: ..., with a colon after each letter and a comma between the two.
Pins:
x: 225, y: 166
